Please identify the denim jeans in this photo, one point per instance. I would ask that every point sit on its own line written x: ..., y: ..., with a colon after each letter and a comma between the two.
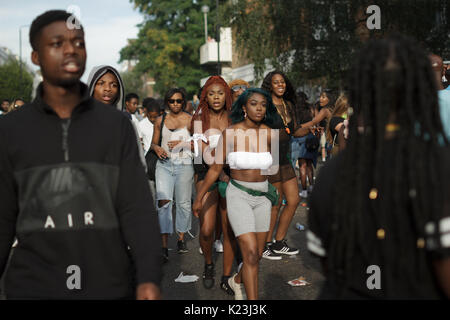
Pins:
x: 174, y: 176
x: 299, y: 151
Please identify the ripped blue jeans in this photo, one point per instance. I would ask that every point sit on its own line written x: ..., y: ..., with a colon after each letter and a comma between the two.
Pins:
x: 173, y: 176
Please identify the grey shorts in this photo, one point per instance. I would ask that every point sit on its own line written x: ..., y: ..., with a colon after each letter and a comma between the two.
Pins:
x: 247, y: 213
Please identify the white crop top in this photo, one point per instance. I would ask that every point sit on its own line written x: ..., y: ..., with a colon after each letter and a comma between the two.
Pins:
x: 250, y: 160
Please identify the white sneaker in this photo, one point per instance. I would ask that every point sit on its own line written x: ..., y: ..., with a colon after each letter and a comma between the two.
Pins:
x: 238, y: 288
x: 200, y: 250
x: 304, y: 194
x: 218, y: 246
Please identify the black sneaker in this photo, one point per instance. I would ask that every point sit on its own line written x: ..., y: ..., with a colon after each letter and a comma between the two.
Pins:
x: 281, y: 247
x: 208, y: 276
x: 165, y: 254
x: 181, y: 246
x: 269, y: 254
x: 225, y: 286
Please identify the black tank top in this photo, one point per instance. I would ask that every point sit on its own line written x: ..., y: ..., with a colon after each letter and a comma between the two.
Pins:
x: 323, y: 123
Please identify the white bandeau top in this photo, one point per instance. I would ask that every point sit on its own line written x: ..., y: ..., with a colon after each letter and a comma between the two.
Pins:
x: 250, y: 160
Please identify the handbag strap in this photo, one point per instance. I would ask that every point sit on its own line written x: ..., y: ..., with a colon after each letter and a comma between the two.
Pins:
x: 160, y: 128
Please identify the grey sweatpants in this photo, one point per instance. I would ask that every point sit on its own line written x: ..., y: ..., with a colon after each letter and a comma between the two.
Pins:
x: 247, y: 213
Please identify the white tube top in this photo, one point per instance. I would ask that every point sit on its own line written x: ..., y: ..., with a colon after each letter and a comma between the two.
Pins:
x: 250, y: 160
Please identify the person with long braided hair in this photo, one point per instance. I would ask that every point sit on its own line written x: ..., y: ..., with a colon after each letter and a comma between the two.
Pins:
x: 209, y: 121
x: 384, y: 231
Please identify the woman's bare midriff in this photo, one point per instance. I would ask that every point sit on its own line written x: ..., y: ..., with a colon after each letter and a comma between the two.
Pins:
x: 249, y: 175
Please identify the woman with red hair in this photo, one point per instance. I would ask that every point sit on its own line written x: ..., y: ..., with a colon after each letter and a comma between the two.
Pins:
x: 209, y: 121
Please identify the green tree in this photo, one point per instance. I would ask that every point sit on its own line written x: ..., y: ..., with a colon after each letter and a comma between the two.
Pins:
x: 133, y: 82
x: 168, y: 43
x: 11, y: 86
x: 313, y: 39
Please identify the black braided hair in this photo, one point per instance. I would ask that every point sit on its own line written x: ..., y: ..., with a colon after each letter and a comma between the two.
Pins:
x: 384, y: 88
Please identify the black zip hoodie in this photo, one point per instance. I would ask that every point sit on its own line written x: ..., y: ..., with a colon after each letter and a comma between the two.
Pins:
x: 75, y: 195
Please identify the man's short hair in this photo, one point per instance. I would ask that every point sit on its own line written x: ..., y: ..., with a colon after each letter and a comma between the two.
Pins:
x: 5, y: 100
x: 130, y: 96
x: 151, y: 105
x: 44, y: 20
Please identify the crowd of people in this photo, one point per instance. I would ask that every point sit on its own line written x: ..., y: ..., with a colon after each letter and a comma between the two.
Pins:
x: 8, y: 106
x: 99, y: 170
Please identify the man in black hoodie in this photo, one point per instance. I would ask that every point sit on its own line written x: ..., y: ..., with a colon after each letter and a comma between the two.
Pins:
x: 72, y: 187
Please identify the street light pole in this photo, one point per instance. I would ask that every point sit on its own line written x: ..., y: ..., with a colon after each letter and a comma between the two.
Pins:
x: 219, y: 69
x: 20, y: 53
x: 205, y: 10
x: 206, y: 27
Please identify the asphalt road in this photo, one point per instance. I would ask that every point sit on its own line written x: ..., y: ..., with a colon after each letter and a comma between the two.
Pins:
x: 274, y: 275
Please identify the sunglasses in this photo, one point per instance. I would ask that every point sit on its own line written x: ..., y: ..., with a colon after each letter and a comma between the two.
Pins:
x: 172, y: 101
x: 236, y: 88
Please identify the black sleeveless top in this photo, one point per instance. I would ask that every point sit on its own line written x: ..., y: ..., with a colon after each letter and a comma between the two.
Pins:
x: 285, y: 137
x: 323, y: 123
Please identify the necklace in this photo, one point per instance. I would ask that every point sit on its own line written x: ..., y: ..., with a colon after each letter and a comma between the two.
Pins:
x: 283, y: 116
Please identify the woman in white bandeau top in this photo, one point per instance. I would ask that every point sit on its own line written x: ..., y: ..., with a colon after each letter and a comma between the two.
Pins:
x: 174, y: 169
x: 246, y: 147
x: 208, y: 122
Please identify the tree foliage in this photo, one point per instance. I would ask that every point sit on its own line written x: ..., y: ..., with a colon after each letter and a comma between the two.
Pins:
x: 133, y: 82
x: 316, y: 39
x: 11, y: 86
x: 168, y: 43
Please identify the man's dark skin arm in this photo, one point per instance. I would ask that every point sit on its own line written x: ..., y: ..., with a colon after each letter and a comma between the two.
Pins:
x: 8, y: 204
x: 138, y: 219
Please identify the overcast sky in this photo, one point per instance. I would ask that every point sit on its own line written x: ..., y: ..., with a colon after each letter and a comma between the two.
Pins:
x: 107, y: 24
